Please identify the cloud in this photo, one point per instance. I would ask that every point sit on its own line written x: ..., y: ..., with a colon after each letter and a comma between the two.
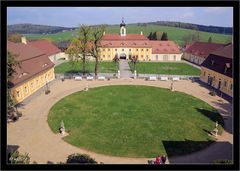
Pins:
x: 215, y: 9
x: 187, y: 15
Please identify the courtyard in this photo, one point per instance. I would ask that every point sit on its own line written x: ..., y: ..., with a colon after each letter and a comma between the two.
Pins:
x: 43, y: 145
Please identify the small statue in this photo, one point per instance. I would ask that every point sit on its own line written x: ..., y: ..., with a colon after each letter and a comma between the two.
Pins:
x: 172, y: 88
x: 216, y: 132
x: 86, y: 88
x: 62, y: 128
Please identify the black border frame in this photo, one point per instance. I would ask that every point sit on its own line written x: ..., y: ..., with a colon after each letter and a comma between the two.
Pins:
x: 133, y: 3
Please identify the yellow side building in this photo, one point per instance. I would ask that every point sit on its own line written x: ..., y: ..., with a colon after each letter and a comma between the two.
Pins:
x: 217, y: 71
x: 34, y: 71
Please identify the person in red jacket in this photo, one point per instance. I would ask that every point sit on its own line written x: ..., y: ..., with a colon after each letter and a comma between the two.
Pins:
x: 158, y: 160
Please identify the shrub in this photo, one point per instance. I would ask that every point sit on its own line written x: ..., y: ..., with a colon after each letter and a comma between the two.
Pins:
x: 80, y: 158
x: 17, y: 158
x: 47, y: 91
x: 222, y: 161
x: 212, y: 92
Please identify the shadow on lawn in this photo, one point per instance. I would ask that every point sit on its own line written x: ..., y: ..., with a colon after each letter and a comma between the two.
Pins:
x: 183, y: 151
x: 212, y: 115
x: 178, y: 148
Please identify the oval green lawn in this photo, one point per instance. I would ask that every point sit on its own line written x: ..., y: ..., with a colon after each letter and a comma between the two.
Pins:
x: 135, y: 121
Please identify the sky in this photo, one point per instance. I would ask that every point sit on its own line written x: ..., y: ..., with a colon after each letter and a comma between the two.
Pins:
x: 74, y: 16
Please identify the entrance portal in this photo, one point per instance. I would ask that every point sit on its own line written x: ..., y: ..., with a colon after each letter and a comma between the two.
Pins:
x: 123, y: 56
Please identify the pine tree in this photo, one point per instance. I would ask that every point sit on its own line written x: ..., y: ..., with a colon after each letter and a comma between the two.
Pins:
x: 164, y: 36
x: 150, y: 36
x: 210, y: 39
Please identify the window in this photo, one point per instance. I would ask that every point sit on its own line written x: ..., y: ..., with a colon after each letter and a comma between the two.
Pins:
x: 104, y: 56
x: 18, y: 94
x: 146, y: 49
x: 103, y: 50
x: 37, y: 82
x: 31, y: 85
x: 165, y: 57
x: 136, y: 49
x: 225, y: 83
x: 108, y: 49
x: 141, y: 56
x: 115, y: 49
x: 108, y: 56
x: 25, y: 88
x: 136, y: 56
x: 122, y: 49
x: 156, y: 57
x: 147, y: 56
x: 231, y: 87
x: 204, y: 73
x: 213, y: 78
x: 142, y: 49
x: 174, y: 57
x: 130, y: 50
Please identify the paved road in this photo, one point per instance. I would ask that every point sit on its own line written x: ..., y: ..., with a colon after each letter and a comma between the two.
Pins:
x: 34, y: 136
x: 124, y: 68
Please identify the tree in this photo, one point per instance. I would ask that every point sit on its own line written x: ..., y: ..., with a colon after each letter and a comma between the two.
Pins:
x: 12, y: 63
x: 154, y: 36
x: 159, y: 35
x: 16, y: 37
x: 210, y: 39
x: 80, y: 158
x: 164, y: 36
x: 134, y: 60
x: 78, y: 50
x: 17, y: 158
x: 97, y: 34
x: 116, y: 60
x: 150, y: 36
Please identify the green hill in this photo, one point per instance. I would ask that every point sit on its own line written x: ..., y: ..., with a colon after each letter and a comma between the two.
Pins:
x: 175, y: 34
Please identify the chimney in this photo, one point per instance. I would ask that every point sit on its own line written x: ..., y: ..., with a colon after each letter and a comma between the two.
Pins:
x: 141, y: 33
x: 24, y: 40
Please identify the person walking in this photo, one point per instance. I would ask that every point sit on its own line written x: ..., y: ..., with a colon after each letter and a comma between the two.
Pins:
x: 163, y: 159
x: 158, y: 160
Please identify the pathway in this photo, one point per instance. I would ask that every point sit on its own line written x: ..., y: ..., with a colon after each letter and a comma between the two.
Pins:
x: 124, y: 68
x: 32, y: 133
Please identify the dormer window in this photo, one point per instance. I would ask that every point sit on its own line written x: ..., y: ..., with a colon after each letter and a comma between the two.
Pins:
x: 227, y: 66
x: 212, y: 62
x: 22, y: 74
x: 44, y: 65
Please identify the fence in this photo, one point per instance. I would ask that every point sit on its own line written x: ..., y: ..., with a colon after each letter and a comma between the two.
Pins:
x: 72, y: 75
x: 158, y: 76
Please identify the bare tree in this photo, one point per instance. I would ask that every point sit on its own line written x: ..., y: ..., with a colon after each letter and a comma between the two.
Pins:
x: 134, y: 60
x: 97, y: 34
x: 116, y: 60
x: 78, y: 50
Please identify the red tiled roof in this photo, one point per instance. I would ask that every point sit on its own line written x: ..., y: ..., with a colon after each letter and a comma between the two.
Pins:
x: 23, y: 51
x: 219, y: 59
x: 32, y: 61
x: 225, y: 51
x: 202, y: 49
x: 46, y: 46
x: 164, y: 47
x: 127, y: 37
